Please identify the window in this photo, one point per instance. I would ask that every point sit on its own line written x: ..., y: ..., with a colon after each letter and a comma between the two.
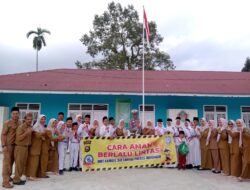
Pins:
x: 215, y: 113
x: 149, y: 114
x: 96, y: 111
x: 245, y: 115
x: 33, y: 108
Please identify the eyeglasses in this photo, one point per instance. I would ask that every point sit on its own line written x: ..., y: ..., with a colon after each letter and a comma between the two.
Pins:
x: 230, y: 124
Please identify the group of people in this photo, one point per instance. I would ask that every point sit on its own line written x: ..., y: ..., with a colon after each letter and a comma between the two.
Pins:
x: 40, y: 148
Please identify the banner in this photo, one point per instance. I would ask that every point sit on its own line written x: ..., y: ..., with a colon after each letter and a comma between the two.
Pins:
x: 100, y: 153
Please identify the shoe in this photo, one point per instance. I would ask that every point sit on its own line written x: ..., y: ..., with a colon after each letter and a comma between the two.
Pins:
x: 19, y: 183
x: 60, y: 172
x: 189, y: 166
x: 64, y: 169
x: 216, y: 172
x: 80, y: 169
x: 76, y: 169
x: 70, y: 169
x: 7, y: 186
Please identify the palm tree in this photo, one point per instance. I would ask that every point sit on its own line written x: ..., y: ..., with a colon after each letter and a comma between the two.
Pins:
x: 38, y: 41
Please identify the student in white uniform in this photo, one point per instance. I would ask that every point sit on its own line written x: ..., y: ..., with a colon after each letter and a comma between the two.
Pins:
x: 78, y: 119
x: 63, y: 145
x: 177, y: 127
x: 160, y: 129
x: 195, y: 133
x: 169, y: 127
x: 104, y: 130
x: 74, y: 147
x: 112, y: 127
x: 187, y: 130
x: 83, y: 131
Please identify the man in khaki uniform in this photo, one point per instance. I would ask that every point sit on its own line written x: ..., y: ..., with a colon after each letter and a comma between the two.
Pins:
x: 23, y: 141
x: 8, y: 138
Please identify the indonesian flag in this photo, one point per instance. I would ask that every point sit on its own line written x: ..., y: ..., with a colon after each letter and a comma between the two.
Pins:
x: 145, y: 25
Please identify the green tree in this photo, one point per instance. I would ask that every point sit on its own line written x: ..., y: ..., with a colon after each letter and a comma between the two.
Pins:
x: 38, y: 40
x: 246, y: 67
x: 116, y: 42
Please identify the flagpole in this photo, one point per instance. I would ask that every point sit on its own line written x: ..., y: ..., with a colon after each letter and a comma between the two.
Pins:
x: 143, y: 89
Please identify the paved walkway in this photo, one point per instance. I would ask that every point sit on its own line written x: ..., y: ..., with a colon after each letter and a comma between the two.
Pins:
x: 137, y: 179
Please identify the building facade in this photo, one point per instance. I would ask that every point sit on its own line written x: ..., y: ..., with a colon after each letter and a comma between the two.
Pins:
x: 115, y: 93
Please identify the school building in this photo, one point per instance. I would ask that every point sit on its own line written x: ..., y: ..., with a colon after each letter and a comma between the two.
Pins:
x: 116, y: 92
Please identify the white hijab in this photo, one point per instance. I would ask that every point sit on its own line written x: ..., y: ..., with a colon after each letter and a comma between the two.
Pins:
x: 151, y: 127
x: 50, y: 128
x: 224, y: 126
x: 76, y: 118
x: 125, y: 131
x: 234, y: 129
x: 243, y: 126
x: 202, y: 128
x: 38, y: 127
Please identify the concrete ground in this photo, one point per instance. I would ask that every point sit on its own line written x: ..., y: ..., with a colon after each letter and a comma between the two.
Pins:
x: 137, y: 179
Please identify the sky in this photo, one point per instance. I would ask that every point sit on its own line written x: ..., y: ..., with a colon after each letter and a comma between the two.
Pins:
x: 202, y: 35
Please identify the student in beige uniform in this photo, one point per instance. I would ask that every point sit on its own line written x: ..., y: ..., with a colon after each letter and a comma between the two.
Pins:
x: 244, y: 143
x: 23, y: 141
x: 35, y: 149
x: 44, y: 156
x: 206, y: 157
x: 213, y: 146
x: 8, y: 138
x: 53, y: 163
x: 121, y: 130
x: 235, y: 152
x: 223, y: 145
x: 148, y: 129
x: 231, y: 126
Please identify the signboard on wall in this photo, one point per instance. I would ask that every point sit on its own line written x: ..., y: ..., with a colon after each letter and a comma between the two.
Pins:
x: 182, y: 113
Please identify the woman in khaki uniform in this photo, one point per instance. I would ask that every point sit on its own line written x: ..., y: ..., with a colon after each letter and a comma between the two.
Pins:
x: 148, y: 129
x: 53, y: 164
x: 223, y: 145
x: 235, y: 154
x: 213, y: 146
x: 35, y: 149
x: 121, y: 130
x: 244, y: 142
x: 44, y: 156
x: 206, y: 157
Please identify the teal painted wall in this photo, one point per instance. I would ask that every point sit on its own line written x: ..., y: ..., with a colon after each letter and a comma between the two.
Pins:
x: 51, y: 104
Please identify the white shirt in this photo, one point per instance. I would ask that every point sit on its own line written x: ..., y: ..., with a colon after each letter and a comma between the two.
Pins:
x: 83, y: 130
x: 112, y: 130
x: 170, y: 129
x: 104, y: 131
x: 160, y: 130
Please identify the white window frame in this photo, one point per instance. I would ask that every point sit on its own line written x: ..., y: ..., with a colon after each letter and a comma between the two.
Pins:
x: 215, y: 112
x: 241, y: 114
x: 147, y: 111
x: 91, y: 111
x: 30, y: 111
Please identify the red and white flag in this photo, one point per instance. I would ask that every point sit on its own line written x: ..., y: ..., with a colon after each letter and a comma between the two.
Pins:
x: 145, y: 24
